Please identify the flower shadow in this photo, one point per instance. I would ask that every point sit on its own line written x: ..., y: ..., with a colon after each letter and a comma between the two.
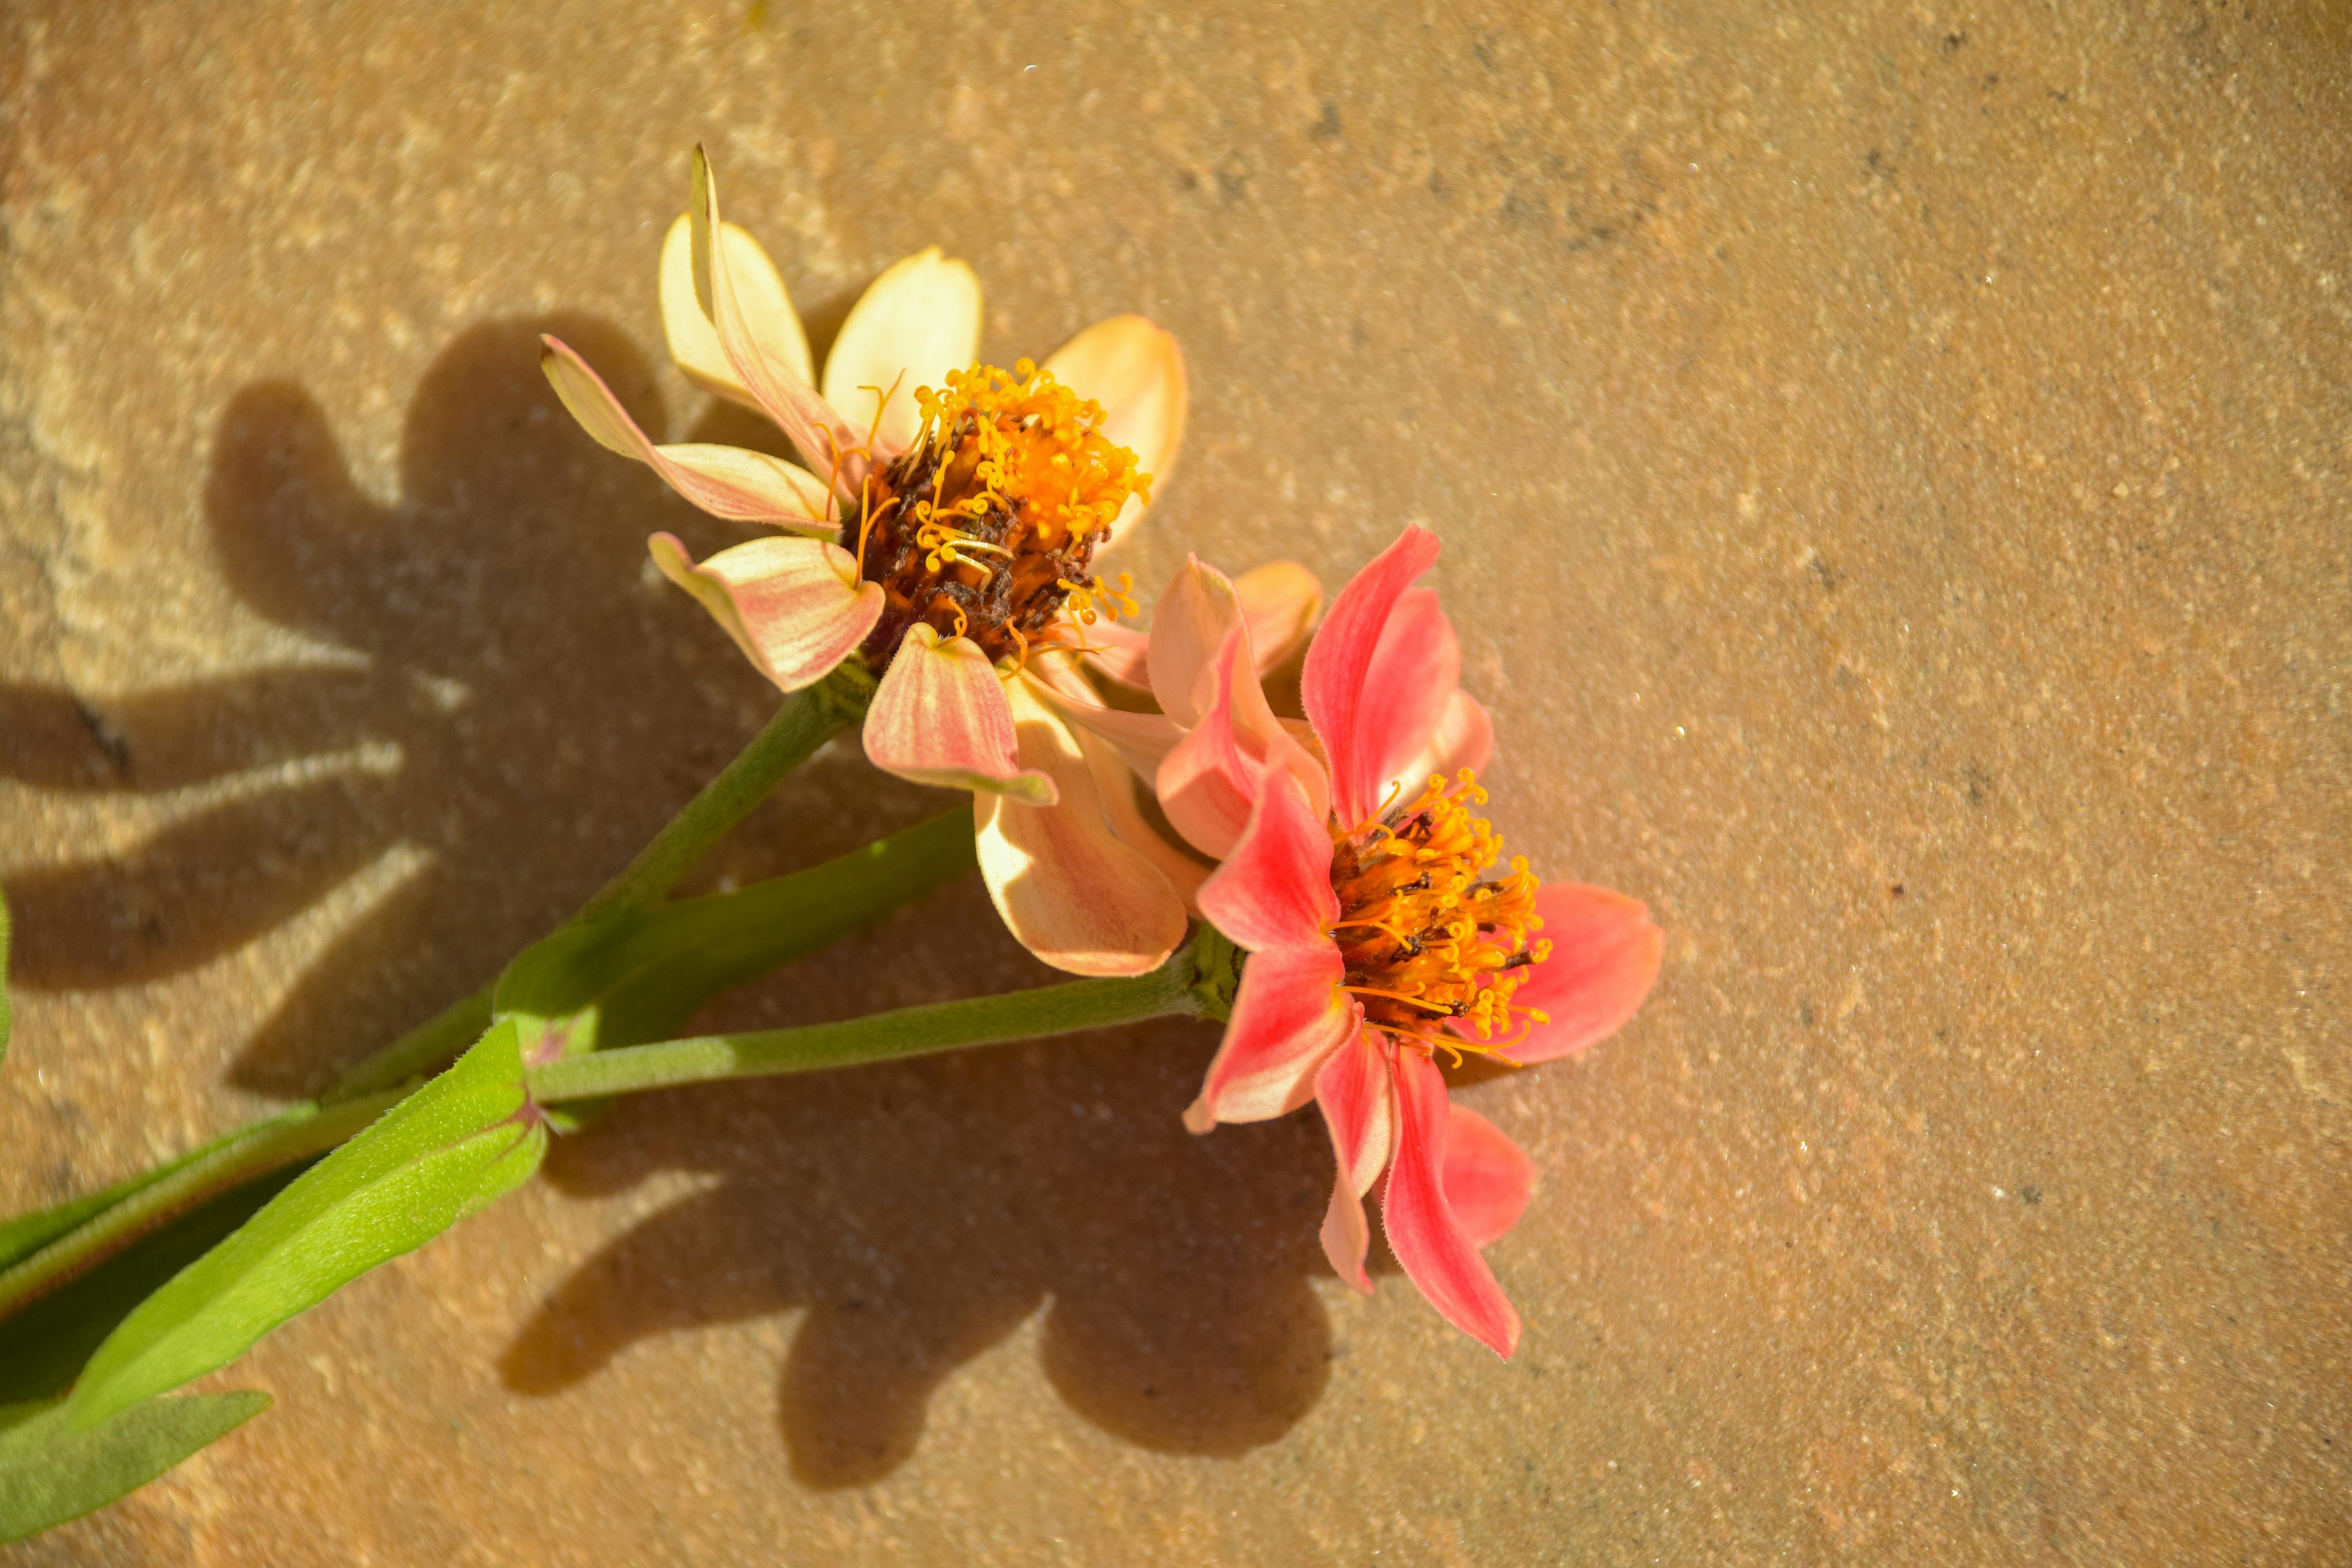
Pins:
x: 919, y: 1212
x: 492, y: 660
x: 507, y: 708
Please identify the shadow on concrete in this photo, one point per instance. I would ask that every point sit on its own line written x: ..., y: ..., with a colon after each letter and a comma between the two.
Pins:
x: 513, y: 702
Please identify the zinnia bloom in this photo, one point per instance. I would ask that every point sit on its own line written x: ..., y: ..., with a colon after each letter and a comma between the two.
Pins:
x: 1378, y: 937
x: 950, y: 543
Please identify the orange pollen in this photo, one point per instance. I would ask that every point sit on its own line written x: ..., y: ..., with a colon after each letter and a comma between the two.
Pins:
x: 985, y: 526
x: 1426, y: 938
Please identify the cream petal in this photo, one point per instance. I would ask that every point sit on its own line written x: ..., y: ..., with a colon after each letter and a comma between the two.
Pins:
x: 1136, y: 370
x: 788, y: 399
x: 913, y: 324
x: 1280, y: 600
x: 1196, y: 612
x: 758, y: 288
x: 725, y: 482
x: 793, y: 606
x: 1119, y: 652
x: 941, y: 717
x: 1067, y: 887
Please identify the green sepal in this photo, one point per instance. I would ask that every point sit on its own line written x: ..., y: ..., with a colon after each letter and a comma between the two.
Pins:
x: 1216, y: 971
x: 51, y: 1471
x: 454, y: 1145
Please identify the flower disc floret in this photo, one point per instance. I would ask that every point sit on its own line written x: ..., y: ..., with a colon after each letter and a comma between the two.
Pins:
x: 1428, y: 940
x: 985, y: 527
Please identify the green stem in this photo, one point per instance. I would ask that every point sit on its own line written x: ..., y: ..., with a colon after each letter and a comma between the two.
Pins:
x: 295, y: 1135
x: 808, y: 718
x: 419, y: 1052
x: 881, y: 1036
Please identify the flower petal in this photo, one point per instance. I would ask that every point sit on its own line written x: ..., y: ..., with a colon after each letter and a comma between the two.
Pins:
x: 1353, y: 1090
x: 1280, y: 601
x: 793, y: 606
x: 1488, y: 1178
x: 1210, y: 780
x: 1464, y: 738
x: 1074, y: 894
x: 941, y: 717
x: 1119, y: 652
x: 1423, y: 1231
x: 1334, y: 683
x: 759, y: 288
x: 1275, y: 889
x: 1136, y: 370
x: 1415, y: 670
x: 913, y: 324
x: 1605, y: 952
x: 1289, y: 1017
x: 763, y: 369
x: 1196, y: 612
x: 725, y: 482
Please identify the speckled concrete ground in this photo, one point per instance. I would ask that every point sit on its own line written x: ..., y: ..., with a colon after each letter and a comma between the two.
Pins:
x: 1892, y: 474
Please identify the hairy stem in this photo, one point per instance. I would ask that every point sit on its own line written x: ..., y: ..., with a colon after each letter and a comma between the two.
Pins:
x: 295, y: 1135
x: 882, y: 1036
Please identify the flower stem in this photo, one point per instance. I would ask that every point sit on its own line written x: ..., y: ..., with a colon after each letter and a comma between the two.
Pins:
x: 881, y: 1036
x: 808, y: 718
x: 295, y: 1135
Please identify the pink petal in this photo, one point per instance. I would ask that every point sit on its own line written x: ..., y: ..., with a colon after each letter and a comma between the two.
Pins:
x: 913, y: 324
x: 1605, y: 953
x: 1275, y: 889
x: 815, y: 429
x: 758, y: 288
x: 794, y: 605
x: 1464, y: 739
x: 1136, y: 370
x: 1280, y: 601
x: 1416, y: 668
x: 1206, y: 785
x: 941, y: 717
x: 725, y: 482
x: 1423, y: 1231
x: 1196, y: 612
x: 1488, y: 1178
x: 1339, y: 662
x: 1210, y: 780
x: 1067, y: 888
x: 1116, y: 782
x: 1353, y: 1090
x: 1289, y: 1017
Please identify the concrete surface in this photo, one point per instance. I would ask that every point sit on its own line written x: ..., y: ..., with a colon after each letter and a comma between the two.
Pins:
x: 1894, y: 478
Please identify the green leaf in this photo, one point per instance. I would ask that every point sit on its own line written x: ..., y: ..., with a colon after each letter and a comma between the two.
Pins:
x: 44, y: 1344
x: 454, y: 1145
x: 636, y: 974
x: 27, y: 1234
x: 51, y: 1472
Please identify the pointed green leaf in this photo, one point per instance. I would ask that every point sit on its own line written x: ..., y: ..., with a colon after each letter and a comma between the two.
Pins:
x: 44, y: 1344
x: 458, y: 1143
x: 51, y: 1472
x: 635, y: 975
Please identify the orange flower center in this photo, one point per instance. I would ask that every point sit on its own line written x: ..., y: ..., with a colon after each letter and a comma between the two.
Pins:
x: 1425, y: 937
x: 984, y: 528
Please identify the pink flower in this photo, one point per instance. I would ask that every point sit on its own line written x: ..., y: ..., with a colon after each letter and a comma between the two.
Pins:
x: 1357, y: 880
x: 950, y: 543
